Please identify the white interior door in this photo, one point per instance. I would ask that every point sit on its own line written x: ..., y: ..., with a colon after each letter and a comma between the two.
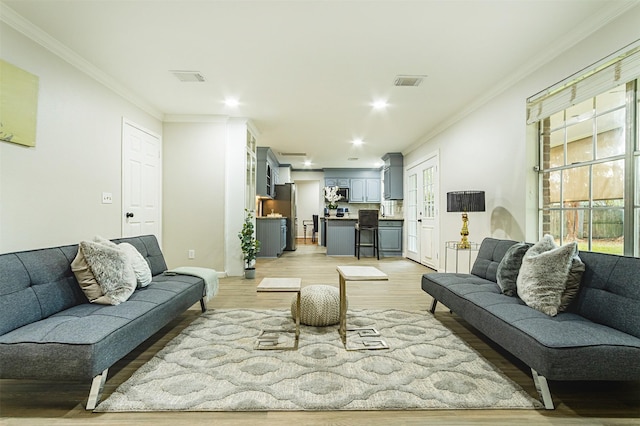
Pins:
x: 411, y: 209
x: 421, y: 208
x: 141, y: 182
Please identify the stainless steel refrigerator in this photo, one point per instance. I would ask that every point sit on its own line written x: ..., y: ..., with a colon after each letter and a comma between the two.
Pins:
x: 285, y: 204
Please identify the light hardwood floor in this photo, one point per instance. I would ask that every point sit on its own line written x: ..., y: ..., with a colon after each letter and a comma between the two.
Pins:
x: 584, y: 403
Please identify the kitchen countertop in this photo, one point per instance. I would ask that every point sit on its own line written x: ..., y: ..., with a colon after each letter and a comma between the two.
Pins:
x: 356, y: 218
x: 272, y: 217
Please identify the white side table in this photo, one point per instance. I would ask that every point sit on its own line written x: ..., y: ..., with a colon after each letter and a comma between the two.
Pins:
x: 268, y: 339
x: 371, y: 337
x: 454, y: 245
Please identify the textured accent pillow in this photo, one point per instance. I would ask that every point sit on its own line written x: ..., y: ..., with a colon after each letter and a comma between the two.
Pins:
x: 87, y: 280
x: 573, y: 283
x: 140, y: 266
x: 112, y: 270
x: 509, y: 267
x: 543, y: 275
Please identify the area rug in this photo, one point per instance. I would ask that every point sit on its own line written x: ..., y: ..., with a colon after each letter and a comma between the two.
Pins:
x: 213, y: 366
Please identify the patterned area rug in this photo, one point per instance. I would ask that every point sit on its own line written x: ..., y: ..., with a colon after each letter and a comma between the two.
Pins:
x: 212, y: 366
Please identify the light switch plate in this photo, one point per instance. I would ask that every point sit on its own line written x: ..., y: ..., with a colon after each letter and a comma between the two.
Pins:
x: 107, y: 198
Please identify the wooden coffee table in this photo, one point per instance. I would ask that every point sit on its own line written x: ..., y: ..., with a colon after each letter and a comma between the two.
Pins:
x: 268, y: 339
x: 370, y: 337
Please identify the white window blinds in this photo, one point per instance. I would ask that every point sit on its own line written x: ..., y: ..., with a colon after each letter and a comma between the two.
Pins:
x: 621, y: 67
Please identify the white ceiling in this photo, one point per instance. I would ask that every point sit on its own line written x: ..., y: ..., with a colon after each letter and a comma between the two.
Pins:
x: 306, y: 72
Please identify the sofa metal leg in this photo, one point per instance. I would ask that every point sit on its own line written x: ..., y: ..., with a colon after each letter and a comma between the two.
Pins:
x: 543, y: 389
x: 203, y: 305
x: 96, y: 389
x: 433, y: 306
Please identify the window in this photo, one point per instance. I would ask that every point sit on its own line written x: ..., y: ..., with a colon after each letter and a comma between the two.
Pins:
x: 590, y: 157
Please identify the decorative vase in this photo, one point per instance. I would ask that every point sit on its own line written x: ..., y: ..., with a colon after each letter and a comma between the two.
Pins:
x: 250, y: 273
x: 333, y: 212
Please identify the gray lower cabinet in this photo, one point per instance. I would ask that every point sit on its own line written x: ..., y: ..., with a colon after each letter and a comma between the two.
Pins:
x: 390, y: 232
x: 272, y: 234
x: 340, y: 234
x: 340, y: 238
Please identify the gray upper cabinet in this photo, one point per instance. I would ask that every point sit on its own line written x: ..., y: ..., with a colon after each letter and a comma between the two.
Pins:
x: 393, y: 176
x: 364, y: 184
x: 267, y: 172
x: 364, y: 190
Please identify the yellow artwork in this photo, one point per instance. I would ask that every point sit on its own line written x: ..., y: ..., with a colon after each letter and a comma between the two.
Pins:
x: 18, y: 105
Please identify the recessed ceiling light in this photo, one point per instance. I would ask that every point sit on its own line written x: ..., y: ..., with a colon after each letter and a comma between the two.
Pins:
x: 357, y: 142
x: 231, y: 102
x: 380, y: 104
x: 307, y: 163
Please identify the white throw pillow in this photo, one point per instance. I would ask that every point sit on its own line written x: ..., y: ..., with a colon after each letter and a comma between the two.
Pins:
x: 140, y: 266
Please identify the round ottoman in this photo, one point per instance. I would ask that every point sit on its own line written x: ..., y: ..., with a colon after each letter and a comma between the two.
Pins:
x: 319, y: 305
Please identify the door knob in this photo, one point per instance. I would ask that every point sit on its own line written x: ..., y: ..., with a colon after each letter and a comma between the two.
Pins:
x: 129, y: 214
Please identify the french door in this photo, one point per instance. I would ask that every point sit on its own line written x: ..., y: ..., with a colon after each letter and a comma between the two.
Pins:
x: 422, y: 212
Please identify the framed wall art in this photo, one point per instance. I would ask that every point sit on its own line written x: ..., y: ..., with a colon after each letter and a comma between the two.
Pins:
x: 18, y: 105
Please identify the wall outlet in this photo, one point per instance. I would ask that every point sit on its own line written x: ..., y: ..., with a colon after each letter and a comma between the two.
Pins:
x: 192, y: 254
x: 107, y: 198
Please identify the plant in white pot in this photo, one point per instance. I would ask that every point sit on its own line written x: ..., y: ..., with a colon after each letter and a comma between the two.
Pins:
x: 332, y: 197
x: 249, y: 245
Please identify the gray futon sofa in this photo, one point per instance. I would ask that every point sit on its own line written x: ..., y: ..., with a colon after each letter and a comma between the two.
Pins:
x: 597, y: 338
x: 49, y: 330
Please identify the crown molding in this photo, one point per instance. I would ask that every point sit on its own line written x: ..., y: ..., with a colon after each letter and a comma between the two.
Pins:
x: 25, y: 27
x: 589, y: 26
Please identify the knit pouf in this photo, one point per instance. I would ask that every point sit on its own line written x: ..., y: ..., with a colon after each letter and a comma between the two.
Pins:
x: 319, y: 305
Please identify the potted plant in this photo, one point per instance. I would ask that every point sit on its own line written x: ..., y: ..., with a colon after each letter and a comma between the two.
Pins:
x: 249, y: 245
x: 332, y: 197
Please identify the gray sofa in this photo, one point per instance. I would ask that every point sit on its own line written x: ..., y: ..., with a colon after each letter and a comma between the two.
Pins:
x: 597, y: 338
x: 49, y: 330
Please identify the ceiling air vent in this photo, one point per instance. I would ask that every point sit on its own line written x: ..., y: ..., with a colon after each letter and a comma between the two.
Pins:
x: 188, y: 76
x: 352, y: 159
x: 409, y: 80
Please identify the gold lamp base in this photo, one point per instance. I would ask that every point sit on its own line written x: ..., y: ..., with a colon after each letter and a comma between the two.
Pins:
x: 464, y: 232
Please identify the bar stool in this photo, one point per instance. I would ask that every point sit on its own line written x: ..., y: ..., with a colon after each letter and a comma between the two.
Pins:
x: 314, y: 233
x: 367, y: 221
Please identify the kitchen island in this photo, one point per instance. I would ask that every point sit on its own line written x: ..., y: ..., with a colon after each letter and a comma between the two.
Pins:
x: 271, y: 231
x: 339, y: 236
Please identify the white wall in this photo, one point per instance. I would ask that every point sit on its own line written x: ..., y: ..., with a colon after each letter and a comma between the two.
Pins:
x: 309, y: 197
x: 51, y: 194
x: 194, y: 193
x: 493, y: 150
x: 307, y: 203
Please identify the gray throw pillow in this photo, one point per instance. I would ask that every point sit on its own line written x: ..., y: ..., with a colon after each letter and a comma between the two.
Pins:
x: 509, y: 267
x: 112, y: 270
x: 543, y: 275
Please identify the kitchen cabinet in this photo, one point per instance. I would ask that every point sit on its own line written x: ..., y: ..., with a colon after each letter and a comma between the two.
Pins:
x: 364, y: 190
x: 267, y: 172
x: 272, y: 234
x: 393, y: 176
x: 339, y: 182
x: 390, y: 234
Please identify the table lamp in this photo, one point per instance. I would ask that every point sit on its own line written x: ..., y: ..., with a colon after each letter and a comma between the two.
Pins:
x: 465, y: 201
